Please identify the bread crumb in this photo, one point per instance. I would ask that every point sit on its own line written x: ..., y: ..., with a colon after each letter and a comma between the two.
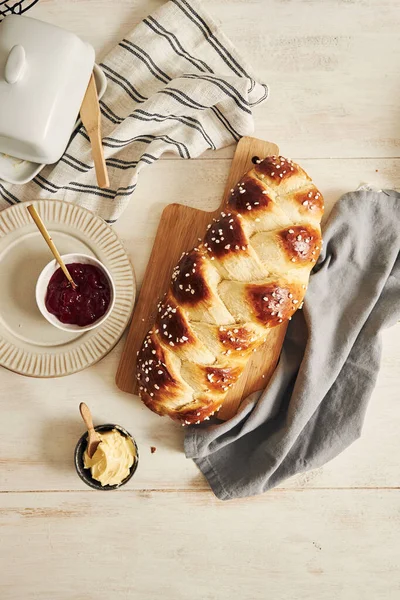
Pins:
x: 153, y: 449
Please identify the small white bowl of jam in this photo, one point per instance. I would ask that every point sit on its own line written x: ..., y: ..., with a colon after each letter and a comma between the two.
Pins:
x: 80, y: 309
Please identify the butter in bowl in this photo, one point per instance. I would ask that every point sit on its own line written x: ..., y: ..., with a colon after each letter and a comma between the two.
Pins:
x: 114, y: 461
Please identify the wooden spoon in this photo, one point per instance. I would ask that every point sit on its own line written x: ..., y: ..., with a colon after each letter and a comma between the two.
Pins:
x: 47, y: 237
x: 90, y: 115
x: 93, y: 436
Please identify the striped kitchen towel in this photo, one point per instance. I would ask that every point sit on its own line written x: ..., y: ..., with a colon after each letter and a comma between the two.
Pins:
x: 175, y: 84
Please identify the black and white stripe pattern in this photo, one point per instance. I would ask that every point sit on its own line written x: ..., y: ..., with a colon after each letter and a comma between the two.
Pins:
x: 176, y: 85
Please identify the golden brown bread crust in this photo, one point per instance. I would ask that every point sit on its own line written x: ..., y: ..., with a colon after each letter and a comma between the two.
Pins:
x: 250, y: 273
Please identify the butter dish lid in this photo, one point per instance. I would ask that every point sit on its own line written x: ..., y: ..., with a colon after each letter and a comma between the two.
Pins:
x: 44, y: 73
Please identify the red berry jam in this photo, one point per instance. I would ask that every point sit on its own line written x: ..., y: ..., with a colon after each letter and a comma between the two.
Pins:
x: 84, y: 305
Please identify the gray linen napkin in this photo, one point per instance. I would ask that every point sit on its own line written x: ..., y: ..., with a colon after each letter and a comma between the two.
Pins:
x: 175, y: 84
x: 314, y: 406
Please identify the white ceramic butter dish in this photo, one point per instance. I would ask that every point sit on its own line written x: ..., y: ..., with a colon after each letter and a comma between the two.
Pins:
x: 44, y: 73
x: 18, y: 171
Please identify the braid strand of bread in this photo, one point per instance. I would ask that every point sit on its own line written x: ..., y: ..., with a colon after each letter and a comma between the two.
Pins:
x: 249, y: 274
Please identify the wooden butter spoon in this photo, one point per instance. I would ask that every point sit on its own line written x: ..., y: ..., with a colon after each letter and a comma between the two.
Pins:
x: 93, y: 436
x: 47, y: 237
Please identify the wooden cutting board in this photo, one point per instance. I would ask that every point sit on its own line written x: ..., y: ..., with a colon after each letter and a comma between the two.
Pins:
x: 178, y: 231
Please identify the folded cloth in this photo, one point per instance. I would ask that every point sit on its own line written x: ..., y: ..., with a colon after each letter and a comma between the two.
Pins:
x: 315, y: 403
x: 175, y: 84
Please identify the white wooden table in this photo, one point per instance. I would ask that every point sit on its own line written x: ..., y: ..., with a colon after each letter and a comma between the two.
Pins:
x: 334, y: 71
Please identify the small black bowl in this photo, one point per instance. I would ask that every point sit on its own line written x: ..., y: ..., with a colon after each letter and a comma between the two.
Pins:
x: 86, y: 475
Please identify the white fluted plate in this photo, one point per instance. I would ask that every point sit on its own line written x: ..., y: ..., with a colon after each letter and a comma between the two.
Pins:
x: 29, y: 345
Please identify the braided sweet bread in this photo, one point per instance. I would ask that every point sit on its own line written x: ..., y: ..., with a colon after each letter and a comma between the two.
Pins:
x: 250, y: 273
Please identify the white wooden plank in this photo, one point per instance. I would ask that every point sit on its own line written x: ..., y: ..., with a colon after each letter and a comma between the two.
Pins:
x: 287, y: 545
x: 41, y: 425
x: 200, y: 184
x: 332, y: 66
x: 100, y: 22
